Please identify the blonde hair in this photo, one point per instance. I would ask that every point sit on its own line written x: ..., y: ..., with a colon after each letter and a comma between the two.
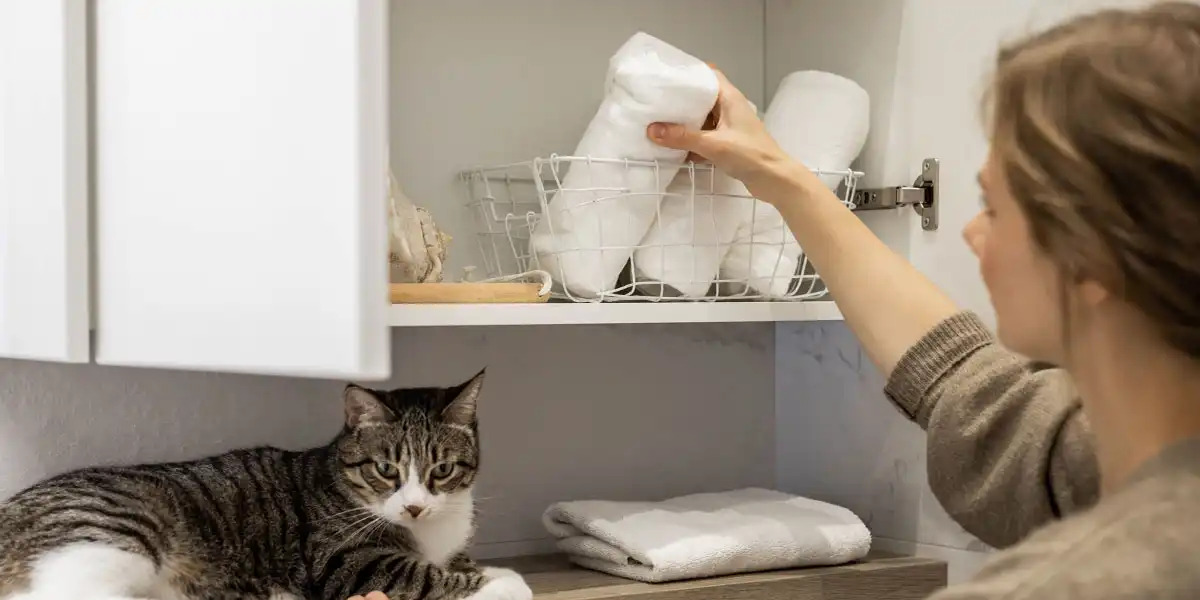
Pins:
x: 1096, y: 126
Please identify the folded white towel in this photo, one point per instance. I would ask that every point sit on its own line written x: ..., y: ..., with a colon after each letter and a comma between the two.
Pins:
x: 611, y: 205
x: 820, y: 119
x: 706, y: 535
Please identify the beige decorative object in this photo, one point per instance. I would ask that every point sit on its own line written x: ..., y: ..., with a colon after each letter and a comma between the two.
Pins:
x: 417, y: 247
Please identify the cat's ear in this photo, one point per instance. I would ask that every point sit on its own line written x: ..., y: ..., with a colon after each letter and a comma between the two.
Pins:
x: 461, y: 410
x: 364, y: 408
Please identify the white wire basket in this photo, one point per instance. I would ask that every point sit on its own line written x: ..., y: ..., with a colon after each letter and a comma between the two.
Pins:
x: 704, y: 240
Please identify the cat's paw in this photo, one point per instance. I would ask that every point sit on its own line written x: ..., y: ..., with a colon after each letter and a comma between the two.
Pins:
x: 502, y: 584
x: 490, y: 573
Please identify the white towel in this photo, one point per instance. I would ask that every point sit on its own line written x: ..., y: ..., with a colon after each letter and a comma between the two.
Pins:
x: 706, y: 535
x: 649, y: 81
x: 822, y: 120
x: 764, y: 255
x: 697, y: 220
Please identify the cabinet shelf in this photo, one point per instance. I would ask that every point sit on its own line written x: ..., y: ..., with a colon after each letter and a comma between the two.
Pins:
x: 450, y: 315
x: 877, y: 576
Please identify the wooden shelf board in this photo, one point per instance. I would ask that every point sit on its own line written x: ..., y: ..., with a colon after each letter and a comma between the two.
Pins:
x: 879, y: 575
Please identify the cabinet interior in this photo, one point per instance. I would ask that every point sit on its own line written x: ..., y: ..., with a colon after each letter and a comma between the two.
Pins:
x: 477, y: 83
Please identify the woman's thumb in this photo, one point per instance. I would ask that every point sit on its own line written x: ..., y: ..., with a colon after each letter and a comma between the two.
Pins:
x: 674, y: 135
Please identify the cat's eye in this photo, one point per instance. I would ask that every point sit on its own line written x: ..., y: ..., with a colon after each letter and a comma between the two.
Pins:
x: 443, y: 470
x: 386, y: 470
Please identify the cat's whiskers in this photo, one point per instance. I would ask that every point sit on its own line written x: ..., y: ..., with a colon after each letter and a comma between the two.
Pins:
x: 357, y: 509
x: 357, y: 533
x: 368, y: 519
x: 379, y: 529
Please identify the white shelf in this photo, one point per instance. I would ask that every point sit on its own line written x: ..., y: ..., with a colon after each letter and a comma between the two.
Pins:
x: 455, y: 315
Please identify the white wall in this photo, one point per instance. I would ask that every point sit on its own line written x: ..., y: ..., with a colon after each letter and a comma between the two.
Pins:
x: 571, y: 412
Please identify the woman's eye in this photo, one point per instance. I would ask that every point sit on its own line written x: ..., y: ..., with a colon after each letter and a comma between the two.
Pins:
x: 443, y: 470
x: 385, y: 469
x: 985, y: 207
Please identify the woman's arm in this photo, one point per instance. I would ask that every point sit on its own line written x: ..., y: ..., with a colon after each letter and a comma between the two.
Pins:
x: 1008, y: 447
x: 857, y: 267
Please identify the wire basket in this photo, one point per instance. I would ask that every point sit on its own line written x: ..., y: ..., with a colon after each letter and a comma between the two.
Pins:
x: 704, y: 240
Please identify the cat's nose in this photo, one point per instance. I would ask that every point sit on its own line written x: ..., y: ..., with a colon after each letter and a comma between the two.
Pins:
x: 414, y: 510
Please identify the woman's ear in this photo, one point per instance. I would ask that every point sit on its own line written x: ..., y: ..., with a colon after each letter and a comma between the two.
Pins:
x: 1091, y: 293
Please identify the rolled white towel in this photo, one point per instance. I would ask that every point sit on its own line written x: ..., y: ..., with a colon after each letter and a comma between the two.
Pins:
x: 611, y: 205
x: 821, y: 120
x: 706, y: 535
x: 764, y: 255
x: 698, y: 219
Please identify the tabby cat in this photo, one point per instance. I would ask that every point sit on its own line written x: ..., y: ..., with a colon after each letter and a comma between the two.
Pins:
x: 386, y: 506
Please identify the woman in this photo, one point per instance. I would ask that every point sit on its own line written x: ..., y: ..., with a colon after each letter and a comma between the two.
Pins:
x: 1091, y: 208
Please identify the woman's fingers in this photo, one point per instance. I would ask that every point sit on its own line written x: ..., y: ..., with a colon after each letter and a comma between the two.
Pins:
x: 371, y: 596
x: 732, y: 138
x: 678, y: 137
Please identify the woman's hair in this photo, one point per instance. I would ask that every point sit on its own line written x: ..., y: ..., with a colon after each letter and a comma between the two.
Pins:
x: 1096, y: 127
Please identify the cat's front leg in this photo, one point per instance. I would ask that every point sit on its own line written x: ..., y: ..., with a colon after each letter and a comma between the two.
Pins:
x: 404, y: 577
x: 462, y: 561
x: 504, y: 584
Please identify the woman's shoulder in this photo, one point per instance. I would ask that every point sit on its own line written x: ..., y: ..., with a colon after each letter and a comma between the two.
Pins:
x: 1137, y: 543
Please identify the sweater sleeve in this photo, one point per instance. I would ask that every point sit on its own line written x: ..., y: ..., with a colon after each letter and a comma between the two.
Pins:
x: 1009, y: 448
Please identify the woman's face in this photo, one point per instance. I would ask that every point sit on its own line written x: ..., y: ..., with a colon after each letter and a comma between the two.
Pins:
x: 1022, y: 283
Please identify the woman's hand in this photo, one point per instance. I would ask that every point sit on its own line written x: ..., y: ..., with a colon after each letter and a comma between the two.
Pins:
x: 738, y: 144
x: 371, y: 596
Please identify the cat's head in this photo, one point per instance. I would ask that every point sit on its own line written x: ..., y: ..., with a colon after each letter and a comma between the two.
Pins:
x: 411, y: 454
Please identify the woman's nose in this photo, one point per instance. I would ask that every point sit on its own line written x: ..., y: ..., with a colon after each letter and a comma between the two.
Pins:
x: 970, y: 234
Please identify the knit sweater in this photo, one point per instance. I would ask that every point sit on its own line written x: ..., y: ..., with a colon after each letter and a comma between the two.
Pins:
x: 1011, y: 458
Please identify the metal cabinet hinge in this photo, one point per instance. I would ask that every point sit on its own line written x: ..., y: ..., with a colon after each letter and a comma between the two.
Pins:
x: 922, y: 195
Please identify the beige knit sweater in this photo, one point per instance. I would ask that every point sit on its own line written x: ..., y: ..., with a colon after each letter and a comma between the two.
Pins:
x: 1010, y: 455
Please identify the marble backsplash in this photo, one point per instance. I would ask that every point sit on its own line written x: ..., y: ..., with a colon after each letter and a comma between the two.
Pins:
x: 840, y: 440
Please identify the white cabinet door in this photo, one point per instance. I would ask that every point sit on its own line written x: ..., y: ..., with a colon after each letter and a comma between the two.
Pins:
x: 43, y: 180
x: 241, y: 177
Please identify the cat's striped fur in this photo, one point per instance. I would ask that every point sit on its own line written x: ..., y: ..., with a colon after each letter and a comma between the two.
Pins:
x: 386, y: 506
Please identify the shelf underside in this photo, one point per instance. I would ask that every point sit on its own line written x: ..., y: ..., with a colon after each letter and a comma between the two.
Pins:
x: 450, y: 315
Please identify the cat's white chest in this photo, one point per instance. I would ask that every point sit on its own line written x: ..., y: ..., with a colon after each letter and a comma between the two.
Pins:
x: 439, y: 539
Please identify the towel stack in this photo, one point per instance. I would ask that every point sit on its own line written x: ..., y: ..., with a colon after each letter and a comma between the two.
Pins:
x: 706, y: 535
x: 821, y: 120
x: 683, y: 229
